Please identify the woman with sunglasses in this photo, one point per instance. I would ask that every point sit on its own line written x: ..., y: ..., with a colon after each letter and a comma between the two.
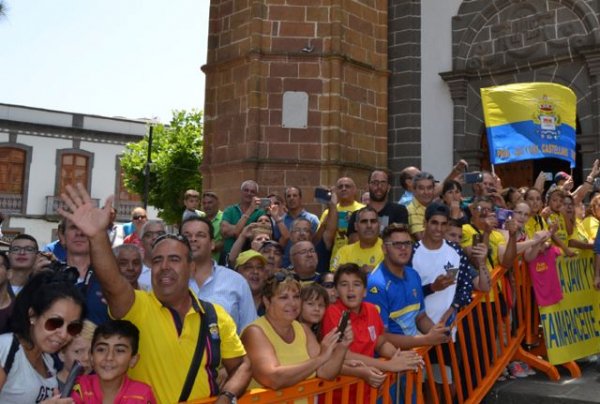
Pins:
x: 284, y: 352
x: 47, y: 315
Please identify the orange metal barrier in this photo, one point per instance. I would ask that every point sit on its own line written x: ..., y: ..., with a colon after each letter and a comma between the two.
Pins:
x: 488, y: 337
x: 318, y: 390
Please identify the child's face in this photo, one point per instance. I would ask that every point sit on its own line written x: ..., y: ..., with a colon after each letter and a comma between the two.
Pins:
x: 454, y: 234
x: 313, y: 310
x: 112, y: 357
x: 351, y: 291
x: 556, y: 202
x: 191, y: 202
x: 77, y: 350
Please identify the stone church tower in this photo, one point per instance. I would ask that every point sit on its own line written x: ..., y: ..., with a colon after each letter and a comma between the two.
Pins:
x: 296, y: 93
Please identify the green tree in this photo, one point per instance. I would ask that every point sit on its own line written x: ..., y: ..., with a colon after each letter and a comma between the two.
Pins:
x: 176, y: 157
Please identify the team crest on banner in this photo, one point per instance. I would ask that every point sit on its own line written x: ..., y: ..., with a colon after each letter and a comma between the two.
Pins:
x: 530, y: 121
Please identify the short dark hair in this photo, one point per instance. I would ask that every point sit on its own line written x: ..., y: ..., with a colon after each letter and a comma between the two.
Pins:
x: 454, y: 223
x: 122, y: 328
x: 437, y: 208
x: 203, y: 219
x: 363, y: 210
x: 387, y: 173
x: 449, y: 185
x: 24, y: 236
x: 350, y: 268
x: 294, y: 187
x: 314, y: 291
x: 40, y: 292
x: 394, y: 228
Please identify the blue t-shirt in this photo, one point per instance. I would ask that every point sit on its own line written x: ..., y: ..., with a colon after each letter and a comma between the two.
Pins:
x: 399, y: 300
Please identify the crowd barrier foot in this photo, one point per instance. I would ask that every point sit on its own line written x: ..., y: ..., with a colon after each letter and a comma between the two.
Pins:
x: 573, y: 369
x: 538, y: 363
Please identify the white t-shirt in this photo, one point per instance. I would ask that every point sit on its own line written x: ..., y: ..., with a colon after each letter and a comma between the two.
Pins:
x: 24, y: 384
x: 430, y: 264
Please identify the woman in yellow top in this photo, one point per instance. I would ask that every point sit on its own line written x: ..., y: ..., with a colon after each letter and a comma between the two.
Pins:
x: 590, y: 223
x: 284, y: 352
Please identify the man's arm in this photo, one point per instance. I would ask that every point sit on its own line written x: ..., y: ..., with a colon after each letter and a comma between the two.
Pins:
x: 240, y: 373
x: 92, y: 221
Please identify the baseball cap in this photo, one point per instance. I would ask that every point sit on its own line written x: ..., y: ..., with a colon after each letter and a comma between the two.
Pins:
x: 247, y: 256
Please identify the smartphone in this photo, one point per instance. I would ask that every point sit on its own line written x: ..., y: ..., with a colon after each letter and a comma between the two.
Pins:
x: 473, y: 177
x: 596, y: 184
x: 322, y: 195
x: 452, y: 271
x: 76, y: 370
x: 264, y: 203
x: 477, y: 239
x: 503, y: 215
x: 548, y: 176
x: 343, y: 324
x: 450, y: 321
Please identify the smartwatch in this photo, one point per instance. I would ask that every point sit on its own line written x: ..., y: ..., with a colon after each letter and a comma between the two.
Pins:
x: 232, y: 397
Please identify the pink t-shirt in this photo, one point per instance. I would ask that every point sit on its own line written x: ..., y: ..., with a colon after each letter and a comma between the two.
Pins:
x: 87, y: 391
x: 544, y: 277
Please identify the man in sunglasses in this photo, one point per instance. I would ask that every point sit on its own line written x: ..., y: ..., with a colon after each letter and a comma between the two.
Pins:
x: 138, y: 218
x: 169, y: 317
x: 395, y: 288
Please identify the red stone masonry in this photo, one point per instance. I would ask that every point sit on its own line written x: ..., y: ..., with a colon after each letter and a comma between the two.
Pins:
x: 335, y: 51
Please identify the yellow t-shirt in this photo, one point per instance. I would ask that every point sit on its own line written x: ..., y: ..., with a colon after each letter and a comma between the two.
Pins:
x: 534, y: 224
x: 287, y: 354
x: 495, y: 240
x: 344, y: 213
x: 370, y: 257
x: 590, y: 228
x: 165, y: 356
x: 561, y: 230
x: 416, y: 217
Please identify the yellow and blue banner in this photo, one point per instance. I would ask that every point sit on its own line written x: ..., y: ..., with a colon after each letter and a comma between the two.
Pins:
x: 571, y: 326
x: 530, y: 121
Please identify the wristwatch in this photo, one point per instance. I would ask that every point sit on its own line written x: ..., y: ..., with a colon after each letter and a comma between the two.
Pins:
x: 232, y: 397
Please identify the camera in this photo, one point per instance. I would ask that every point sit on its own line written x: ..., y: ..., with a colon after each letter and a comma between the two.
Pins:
x: 473, y: 177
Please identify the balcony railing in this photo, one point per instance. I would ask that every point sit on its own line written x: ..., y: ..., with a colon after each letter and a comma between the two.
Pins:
x: 11, y: 203
x: 124, y: 209
x: 54, y: 202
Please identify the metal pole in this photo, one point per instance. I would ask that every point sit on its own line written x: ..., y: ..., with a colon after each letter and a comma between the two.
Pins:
x: 147, y: 168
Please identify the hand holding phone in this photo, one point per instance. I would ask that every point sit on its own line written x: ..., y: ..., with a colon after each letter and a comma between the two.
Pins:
x: 452, y: 272
x: 477, y: 238
x: 343, y: 324
x: 450, y: 320
x: 322, y: 195
x: 76, y: 370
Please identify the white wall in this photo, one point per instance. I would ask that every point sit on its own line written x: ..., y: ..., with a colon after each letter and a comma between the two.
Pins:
x: 436, y: 105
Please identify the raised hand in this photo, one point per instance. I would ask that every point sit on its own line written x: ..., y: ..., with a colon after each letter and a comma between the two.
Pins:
x: 82, y: 212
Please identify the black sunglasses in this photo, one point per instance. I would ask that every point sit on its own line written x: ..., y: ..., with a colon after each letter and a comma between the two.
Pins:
x: 54, y: 323
x: 328, y: 285
x: 282, y: 276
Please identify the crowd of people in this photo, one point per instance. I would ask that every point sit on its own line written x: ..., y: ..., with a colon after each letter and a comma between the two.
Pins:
x: 267, y: 294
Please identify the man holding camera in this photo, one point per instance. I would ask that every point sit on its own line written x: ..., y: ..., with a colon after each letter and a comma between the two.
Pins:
x: 237, y: 216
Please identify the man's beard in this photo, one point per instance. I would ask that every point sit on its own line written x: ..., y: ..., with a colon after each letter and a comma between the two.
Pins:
x: 377, y: 199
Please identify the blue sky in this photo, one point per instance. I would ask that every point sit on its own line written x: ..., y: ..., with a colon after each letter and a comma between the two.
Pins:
x: 131, y: 58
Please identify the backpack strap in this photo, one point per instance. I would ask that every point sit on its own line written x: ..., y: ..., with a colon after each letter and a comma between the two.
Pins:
x: 10, y: 358
x: 209, y: 343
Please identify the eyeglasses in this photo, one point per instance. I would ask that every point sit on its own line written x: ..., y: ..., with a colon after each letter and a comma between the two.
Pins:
x: 376, y: 183
x: 305, y: 251
x: 138, y: 217
x: 300, y: 231
x: 399, y: 245
x: 328, y: 285
x: 54, y: 323
x: 177, y: 237
x: 22, y: 250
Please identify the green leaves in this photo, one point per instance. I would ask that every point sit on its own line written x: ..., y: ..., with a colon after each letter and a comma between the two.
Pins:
x: 176, y: 158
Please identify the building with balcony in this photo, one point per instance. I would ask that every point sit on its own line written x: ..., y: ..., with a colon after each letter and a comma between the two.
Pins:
x: 42, y: 151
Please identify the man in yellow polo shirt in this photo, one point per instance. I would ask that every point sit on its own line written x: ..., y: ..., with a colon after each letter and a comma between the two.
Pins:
x: 424, y: 192
x: 366, y: 252
x: 169, y: 317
